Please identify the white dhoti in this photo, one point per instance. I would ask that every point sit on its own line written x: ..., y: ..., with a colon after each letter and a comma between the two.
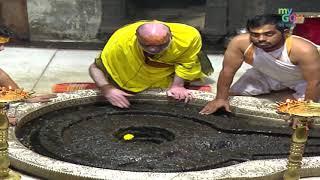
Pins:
x: 253, y: 82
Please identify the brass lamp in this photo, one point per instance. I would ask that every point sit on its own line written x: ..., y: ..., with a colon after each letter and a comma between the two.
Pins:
x: 7, y: 96
x: 302, y: 113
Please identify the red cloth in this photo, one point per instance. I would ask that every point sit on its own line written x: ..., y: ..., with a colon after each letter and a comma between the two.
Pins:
x: 69, y: 87
x: 310, y: 29
x: 205, y: 88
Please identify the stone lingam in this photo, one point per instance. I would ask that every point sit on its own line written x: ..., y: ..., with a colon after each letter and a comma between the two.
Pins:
x: 81, y: 136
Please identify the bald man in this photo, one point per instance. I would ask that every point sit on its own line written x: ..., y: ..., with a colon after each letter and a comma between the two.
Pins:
x: 147, y: 55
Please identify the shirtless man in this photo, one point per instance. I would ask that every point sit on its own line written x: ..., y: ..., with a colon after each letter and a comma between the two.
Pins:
x: 278, y: 62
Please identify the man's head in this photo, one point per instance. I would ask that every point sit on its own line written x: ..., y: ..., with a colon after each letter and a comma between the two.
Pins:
x: 5, y: 35
x: 267, y: 31
x: 153, y: 37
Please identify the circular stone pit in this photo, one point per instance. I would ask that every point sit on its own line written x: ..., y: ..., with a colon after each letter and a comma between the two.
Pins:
x: 167, y: 137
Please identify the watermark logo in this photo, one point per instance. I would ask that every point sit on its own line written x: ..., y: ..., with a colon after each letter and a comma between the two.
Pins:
x: 289, y: 16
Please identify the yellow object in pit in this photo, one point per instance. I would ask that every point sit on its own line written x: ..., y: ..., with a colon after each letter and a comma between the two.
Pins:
x: 128, y: 137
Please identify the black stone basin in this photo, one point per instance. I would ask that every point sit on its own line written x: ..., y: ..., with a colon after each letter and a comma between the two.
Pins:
x: 168, y: 137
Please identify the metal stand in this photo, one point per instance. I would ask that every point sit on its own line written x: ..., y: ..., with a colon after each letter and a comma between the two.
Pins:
x: 5, y: 172
x: 299, y: 139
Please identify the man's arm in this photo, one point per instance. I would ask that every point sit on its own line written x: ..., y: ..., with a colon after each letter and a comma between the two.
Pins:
x: 177, y: 81
x: 98, y: 76
x: 233, y: 59
x: 115, y: 96
x: 6, y: 81
x: 308, y: 60
x: 178, y: 91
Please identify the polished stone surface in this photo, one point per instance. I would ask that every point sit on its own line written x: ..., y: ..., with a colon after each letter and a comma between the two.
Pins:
x: 168, y: 137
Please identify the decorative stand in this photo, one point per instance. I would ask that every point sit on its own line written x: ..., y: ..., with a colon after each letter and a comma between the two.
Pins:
x: 7, y: 96
x: 299, y: 139
x: 301, y: 112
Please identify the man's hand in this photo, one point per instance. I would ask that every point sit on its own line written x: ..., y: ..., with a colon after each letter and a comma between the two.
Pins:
x: 115, y: 96
x: 41, y: 98
x: 180, y: 93
x: 214, y: 105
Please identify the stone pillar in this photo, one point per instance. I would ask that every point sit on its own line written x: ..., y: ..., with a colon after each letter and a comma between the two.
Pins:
x: 216, y: 17
x: 114, y: 15
x: 65, y: 20
x: 241, y: 10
